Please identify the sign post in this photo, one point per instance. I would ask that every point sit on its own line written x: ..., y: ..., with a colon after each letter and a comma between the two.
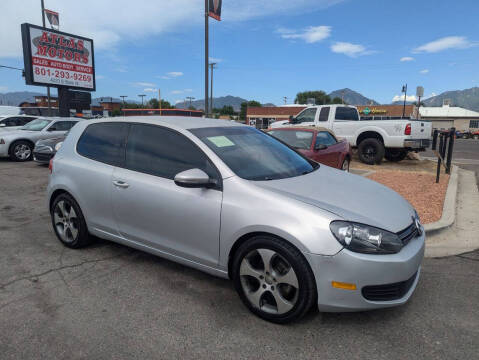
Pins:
x: 212, y: 9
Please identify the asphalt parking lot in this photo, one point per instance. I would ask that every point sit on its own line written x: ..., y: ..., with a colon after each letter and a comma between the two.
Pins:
x: 111, y: 302
x: 465, y: 155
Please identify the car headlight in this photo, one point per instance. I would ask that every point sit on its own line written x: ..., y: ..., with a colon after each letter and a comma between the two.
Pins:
x: 365, y: 239
x: 58, y: 146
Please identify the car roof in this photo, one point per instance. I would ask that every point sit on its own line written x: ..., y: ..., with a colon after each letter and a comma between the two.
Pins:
x: 304, y: 128
x: 181, y: 122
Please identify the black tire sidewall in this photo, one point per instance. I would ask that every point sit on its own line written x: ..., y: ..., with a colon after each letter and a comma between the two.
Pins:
x: 83, y: 237
x: 307, y: 286
x: 379, y: 151
x: 349, y: 164
x: 12, y: 151
x: 395, y: 155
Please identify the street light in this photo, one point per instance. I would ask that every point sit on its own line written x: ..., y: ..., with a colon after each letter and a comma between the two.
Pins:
x: 190, y: 98
x: 212, y: 66
x: 404, y: 90
x: 142, y: 96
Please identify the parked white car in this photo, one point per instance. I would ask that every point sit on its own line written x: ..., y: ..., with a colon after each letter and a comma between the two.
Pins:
x: 19, y: 144
x: 9, y: 123
x: 374, y: 139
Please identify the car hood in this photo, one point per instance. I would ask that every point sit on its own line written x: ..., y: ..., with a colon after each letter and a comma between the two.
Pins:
x: 352, y: 197
x: 50, y: 142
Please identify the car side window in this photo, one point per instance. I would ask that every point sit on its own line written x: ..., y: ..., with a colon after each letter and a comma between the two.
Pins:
x: 12, y: 122
x: 162, y: 152
x: 62, y: 126
x: 346, y: 113
x: 104, y: 142
x: 324, y: 114
x: 325, y: 138
x: 307, y: 115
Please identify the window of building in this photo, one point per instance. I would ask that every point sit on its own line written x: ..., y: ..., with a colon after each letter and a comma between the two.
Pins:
x: 473, y: 124
x: 165, y: 153
x: 104, y: 142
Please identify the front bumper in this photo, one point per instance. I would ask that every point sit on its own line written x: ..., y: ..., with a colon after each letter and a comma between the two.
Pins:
x: 365, y: 270
x: 417, y: 143
x: 3, y: 150
x: 43, y: 158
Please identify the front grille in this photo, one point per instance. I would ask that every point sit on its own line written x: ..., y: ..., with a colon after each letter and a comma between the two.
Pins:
x: 388, y: 292
x: 42, y: 156
x: 408, y: 233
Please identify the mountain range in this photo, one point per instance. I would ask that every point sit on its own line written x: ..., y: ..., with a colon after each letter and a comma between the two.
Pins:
x: 467, y: 98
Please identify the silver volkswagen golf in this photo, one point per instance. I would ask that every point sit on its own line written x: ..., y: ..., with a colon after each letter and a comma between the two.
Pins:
x: 234, y: 202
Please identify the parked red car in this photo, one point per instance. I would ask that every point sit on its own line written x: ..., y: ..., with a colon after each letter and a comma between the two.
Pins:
x: 316, y: 143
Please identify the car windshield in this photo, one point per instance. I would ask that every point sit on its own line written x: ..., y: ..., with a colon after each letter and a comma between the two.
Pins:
x: 36, y: 125
x: 298, y: 139
x: 252, y: 154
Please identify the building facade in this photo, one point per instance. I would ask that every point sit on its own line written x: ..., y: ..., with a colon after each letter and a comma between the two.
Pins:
x: 446, y: 117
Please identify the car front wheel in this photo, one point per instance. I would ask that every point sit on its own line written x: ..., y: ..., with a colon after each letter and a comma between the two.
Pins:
x: 21, y: 151
x: 273, y: 279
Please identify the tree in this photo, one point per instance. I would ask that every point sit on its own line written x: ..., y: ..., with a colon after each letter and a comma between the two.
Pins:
x: 246, y: 104
x: 191, y: 107
x: 337, y: 100
x: 227, y: 110
x: 319, y: 96
x: 153, y: 103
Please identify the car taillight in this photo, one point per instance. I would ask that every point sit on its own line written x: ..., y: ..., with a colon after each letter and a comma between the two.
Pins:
x: 50, y: 166
x: 407, y: 130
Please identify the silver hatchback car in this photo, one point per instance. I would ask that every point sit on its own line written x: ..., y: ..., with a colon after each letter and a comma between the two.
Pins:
x: 235, y: 202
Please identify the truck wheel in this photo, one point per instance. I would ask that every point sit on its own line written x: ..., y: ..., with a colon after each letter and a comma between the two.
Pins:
x: 371, y: 151
x: 395, y: 155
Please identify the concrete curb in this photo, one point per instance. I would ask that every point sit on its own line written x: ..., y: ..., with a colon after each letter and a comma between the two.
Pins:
x: 449, y: 209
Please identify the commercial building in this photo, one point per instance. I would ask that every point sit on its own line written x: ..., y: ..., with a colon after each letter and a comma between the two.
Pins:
x: 446, y: 117
x: 263, y: 117
x: 386, y: 112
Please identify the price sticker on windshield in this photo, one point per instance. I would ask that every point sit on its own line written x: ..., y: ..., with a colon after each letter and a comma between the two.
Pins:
x: 221, y: 141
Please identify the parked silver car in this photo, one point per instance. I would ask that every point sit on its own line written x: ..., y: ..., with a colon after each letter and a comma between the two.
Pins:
x: 235, y: 202
x: 19, y: 144
x: 14, y: 122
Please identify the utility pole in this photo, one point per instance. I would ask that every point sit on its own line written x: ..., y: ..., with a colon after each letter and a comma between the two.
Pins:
x: 404, y: 90
x: 48, y: 87
x: 142, y: 96
x: 206, y: 57
x: 189, y: 98
x: 285, y: 99
x: 123, y: 98
x: 212, y: 66
x: 159, y: 100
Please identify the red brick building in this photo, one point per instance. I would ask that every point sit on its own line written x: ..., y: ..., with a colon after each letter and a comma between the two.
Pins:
x: 263, y: 117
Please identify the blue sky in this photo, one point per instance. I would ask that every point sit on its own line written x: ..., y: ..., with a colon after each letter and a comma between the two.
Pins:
x: 265, y: 49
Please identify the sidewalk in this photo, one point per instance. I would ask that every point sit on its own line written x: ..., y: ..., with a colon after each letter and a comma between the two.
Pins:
x: 463, y: 235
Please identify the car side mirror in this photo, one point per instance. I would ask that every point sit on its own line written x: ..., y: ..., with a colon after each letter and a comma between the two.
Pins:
x: 320, y: 147
x: 194, y: 178
x: 292, y: 119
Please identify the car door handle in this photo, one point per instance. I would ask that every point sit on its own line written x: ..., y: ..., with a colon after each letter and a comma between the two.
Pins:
x: 120, y: 184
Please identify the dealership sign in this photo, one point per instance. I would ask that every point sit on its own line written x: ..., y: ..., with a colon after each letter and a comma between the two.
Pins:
x: 54, y: 58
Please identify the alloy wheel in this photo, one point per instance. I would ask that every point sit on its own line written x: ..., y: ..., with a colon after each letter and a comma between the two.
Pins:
x: 22, y: 151
x: 269, y: 281
x: 66, y: 221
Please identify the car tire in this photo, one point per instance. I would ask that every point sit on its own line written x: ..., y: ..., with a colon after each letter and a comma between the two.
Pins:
x: 371, y: 151
x: 282, y: 291
x: 395, y: 155
x: 345, y: 165
x: 21, y: 151
x: 68, y: 222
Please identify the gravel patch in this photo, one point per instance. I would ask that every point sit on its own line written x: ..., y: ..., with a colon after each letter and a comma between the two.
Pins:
x: 419, y: 188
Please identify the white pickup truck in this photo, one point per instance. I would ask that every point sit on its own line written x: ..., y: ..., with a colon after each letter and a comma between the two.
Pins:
x: 374, y: 139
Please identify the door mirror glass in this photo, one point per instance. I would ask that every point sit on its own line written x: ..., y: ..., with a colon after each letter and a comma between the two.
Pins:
x: 194, y: 178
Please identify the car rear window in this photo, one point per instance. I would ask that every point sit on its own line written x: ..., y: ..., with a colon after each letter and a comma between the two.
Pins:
x: 104, y: 142
x: 298, y: 139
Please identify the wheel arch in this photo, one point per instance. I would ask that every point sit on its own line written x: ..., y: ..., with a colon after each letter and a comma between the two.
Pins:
x: 241, y: 240
x: 369, y: 134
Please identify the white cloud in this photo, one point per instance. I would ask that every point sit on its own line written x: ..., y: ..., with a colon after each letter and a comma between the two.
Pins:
x: 131, y: 20
x: 121, y: 69
x: 176, y: 92
x: 150, y: 90
x: 351, y: 50
x: 424, y: 71
x: 144, y: 84
x: 311, y: 34
x: 406, y: 58
x: 171, y: 75
x: 448, y: 42
x: 409, y: 98
x: 3, y: 88
x: 100, y: 77
x: 215, y: 60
